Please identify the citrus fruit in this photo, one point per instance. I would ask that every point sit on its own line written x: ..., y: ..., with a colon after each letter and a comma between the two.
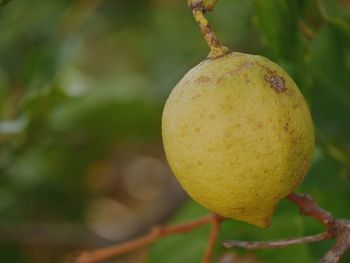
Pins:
x: 238, y: 135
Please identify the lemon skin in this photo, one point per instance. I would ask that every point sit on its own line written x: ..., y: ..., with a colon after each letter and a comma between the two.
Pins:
x: 238, y: 135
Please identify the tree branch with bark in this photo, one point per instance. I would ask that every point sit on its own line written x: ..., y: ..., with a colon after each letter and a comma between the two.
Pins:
x: 337, y: 229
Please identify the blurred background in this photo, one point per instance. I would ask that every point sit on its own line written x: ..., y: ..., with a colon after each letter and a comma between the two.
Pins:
x: 82, y: 86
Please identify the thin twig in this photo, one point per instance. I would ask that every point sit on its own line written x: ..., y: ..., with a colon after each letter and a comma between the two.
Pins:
x: 322, y: 10
x: 213, y: 236
x: 339, y: 229
x: 306, y: 30
x: 155, y: 234
x: 250, y: 245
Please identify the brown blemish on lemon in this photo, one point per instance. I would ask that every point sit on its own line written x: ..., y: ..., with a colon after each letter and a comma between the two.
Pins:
x: 286, y: 127
x: 202, y: 79
x: 276, y: 82
x: 238, y: 70
x: 196, y: 96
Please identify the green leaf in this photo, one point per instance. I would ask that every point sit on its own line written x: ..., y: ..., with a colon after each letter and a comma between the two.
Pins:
x: 330, y: 71
x: 278, y: 24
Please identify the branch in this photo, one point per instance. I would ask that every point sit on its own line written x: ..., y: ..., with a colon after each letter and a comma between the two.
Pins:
x: 309, y: 207
x: 213, y: 236
x: 307, y: 31
x: 156, y: 233
x: 341, y: 232
x: 339, y: 229
x: 250, y: 245
x: 198, y: 9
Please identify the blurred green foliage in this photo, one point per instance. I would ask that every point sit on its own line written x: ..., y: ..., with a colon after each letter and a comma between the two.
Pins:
x: 78, y: 78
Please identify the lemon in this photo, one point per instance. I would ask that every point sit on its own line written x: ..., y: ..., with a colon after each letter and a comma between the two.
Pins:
x: 238, y: 135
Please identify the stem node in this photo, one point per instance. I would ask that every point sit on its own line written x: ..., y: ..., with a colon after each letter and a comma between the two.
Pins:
x: 199, y: 7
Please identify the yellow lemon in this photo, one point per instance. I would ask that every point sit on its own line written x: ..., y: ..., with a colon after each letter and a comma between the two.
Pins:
x: 238, y: 136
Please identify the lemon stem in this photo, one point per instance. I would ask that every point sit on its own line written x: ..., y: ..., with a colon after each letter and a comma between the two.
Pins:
x: 198, y: 10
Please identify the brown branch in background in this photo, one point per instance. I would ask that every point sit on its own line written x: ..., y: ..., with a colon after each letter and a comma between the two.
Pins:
x: 338, y: 229
x: 322, y: 10
x: 155, y: 234
x: 346, y: 4
x: 213, y: 236
x: 306, y: 30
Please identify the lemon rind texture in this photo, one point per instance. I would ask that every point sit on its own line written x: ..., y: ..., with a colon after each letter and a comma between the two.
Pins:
x: 238, y: 136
